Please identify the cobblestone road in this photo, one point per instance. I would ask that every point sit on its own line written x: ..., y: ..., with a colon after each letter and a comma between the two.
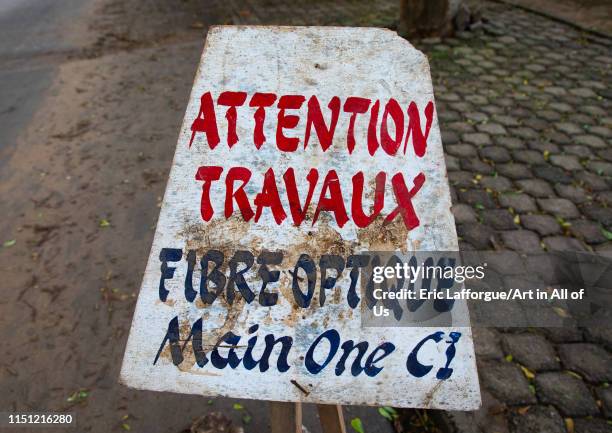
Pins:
x: 524, y: 110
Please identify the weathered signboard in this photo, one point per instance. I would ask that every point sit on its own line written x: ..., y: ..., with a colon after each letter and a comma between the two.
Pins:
x: 301, y: 148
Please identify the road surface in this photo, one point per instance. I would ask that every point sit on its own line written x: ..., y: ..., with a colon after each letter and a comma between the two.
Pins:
x: 36, y: 35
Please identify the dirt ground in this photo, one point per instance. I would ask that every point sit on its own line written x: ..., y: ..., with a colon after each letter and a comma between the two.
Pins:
x: 99, y: 148
x: 590, y: 14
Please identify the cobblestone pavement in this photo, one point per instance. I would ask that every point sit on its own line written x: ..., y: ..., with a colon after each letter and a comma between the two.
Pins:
x: 524, y: 113
x: 524, y: 106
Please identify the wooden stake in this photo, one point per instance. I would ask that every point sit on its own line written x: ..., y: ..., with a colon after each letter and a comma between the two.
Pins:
x: 285, y: 417
x: 332, y: 419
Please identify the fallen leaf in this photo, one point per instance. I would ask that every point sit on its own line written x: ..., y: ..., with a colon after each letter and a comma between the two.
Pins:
x: 10, y: 243
x: 78, y: 396
x: 523, y: 410
x: 569, y: 425
x: 528, y: 373
x: 561, y: 312
x: 385, y: 413
x: 104, y: 223
x: 391, y: 410
x: 357, y: 425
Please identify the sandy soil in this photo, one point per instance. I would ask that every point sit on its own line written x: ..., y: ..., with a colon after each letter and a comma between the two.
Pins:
x: 99, y: 148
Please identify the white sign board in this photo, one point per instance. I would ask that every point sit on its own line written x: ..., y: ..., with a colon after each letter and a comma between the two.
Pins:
x: 301, y: 147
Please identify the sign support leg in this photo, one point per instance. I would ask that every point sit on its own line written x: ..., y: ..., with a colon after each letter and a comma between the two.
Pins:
x: 285, y: 417
x: 332, y: 418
